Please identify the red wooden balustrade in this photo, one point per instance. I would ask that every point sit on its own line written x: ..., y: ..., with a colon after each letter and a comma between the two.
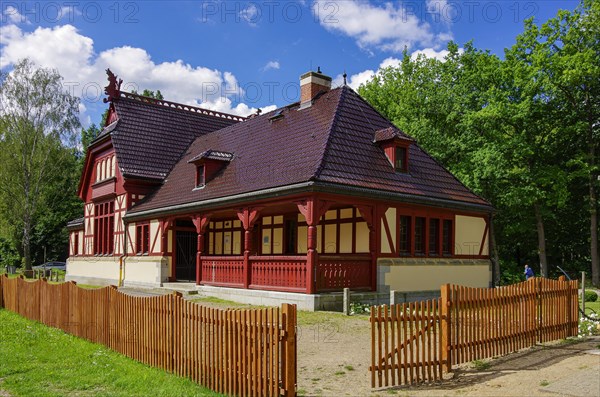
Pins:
x: 226, y: 271
x: 278, y: 273
x: 335, y: 273
x: 288, y: 273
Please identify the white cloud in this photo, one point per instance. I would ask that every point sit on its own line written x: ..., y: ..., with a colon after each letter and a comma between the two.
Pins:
x: 12, y: 15
x: 436, y: 6
x: 388, y: 27
x: 432, y: 53
x: 72, y: 54
x: 390, y: 62
x: 271, y: 65
x: 251, y: 14
x: 356, y: 80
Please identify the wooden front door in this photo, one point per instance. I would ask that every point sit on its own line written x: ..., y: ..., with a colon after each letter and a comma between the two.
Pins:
x: 185, y: 261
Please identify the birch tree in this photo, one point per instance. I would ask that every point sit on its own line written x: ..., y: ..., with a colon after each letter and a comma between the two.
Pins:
x: 38, y: 118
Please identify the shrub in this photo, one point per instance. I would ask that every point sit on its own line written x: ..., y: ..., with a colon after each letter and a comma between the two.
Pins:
x: 591, y: 296
x: 589, y: 325
x: 359, y: 308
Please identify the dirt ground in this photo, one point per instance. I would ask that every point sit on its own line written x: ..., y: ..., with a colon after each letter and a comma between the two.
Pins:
x: 334, y: 356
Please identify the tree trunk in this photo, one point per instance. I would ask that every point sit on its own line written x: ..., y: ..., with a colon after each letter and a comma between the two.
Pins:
x: 593, y: 213
x: 27, y: 244
x: 541, y: 240
x: 495, y: 259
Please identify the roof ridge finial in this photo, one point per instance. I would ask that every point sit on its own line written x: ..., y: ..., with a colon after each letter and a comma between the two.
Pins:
x: 318, y: 69
x: 113, y: 89
x: 344, y: 76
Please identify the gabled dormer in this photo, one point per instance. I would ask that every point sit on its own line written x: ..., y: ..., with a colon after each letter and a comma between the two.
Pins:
x: 208, y: 164
x: 395, y: 145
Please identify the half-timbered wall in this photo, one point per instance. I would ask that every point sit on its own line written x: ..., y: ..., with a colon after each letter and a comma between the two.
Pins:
x: 76, y: 244
x: 120, y: 209
x: 423, y: 248
x: 225, y: 237
x: 432, y: 233
x: 145, y: 238
x: 88, y: 232
x: 340, y: 231
x: 471, y: 236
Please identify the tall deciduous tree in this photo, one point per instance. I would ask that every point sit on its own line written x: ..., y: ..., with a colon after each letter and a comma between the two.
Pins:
x: 564, y: 56
x: 37, y: 119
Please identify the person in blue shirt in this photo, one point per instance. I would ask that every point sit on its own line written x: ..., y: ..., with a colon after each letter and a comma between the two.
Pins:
x: 528, y: 272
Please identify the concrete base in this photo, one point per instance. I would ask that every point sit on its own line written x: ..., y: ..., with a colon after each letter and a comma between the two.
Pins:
x: 108, y: 281
x: 328, y: 301
x: 332, y: 301
x: 184, y: 288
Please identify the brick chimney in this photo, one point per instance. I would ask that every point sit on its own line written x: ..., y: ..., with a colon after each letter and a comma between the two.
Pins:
x: 311, y: 84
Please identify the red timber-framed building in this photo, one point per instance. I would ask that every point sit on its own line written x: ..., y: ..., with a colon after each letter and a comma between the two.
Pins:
x: 308, y: 199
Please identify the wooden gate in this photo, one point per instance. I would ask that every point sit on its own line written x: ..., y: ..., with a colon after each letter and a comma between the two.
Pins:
x: 406, y: 343
x: 417, y: 342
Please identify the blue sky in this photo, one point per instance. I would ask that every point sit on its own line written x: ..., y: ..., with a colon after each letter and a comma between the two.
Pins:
x: 238, y: 56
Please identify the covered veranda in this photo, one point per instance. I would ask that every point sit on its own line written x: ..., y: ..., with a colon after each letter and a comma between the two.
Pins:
x: 309, y: 244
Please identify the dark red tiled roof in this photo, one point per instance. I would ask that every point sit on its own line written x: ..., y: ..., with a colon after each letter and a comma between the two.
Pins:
x: 330, y: 141
x: 389, y: 133
x: 150, y: 137
x: 353, y: 159
x: 211, y: 154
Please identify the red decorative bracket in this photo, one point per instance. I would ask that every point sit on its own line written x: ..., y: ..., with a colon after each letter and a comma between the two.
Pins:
x: 313, y: 209
x: 201, y: 221
x: 167, y: 224
x: 248, y: 216
x: 367, y: 213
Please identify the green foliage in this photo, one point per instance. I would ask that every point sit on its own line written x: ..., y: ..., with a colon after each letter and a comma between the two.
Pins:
x: 150, y: 94
x: 591, y: 296
x: 8, y: 254
x: 480, y: 365
x: 37, y: 134
x: 516, y: 131
x: 43, y: 361
x: 589, y: 325
x: 359, y: 308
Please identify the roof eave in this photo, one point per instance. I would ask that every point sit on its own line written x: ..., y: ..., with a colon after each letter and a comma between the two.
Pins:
x: 309, y: 187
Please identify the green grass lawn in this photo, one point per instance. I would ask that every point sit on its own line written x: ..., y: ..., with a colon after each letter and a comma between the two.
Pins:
x: 589, y: 306
x: 36, y: 360
x: 304, y: 317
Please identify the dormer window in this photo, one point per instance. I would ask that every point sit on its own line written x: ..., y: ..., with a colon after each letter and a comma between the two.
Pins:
x: 208, y: 165
x: 395, y: 145
x: 200, y: 176
x: 400, y: 162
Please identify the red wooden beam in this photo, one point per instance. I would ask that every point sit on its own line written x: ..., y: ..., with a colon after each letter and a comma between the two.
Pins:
x: 201, y: 222
x: 312, y: 209
x: 248, y: 216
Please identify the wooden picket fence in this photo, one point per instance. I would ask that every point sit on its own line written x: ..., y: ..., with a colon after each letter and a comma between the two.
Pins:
x: 419, y: 341
x: 250, y: 352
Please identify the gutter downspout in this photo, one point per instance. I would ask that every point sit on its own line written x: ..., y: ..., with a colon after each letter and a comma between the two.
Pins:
x: 121, y: 270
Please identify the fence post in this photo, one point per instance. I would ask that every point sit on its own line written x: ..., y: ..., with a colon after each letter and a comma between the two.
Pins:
x: 346, y: 308
x: 175, y: 314
x: 446, y: 327
x: 568, y: 285
x: 583, y: 291
x: 288, y: 349
x: 538, y: 289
